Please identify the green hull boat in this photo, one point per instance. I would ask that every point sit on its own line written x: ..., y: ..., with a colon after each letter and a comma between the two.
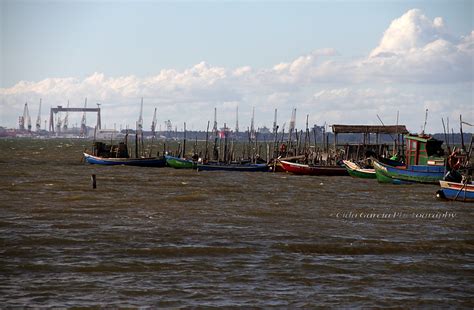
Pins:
x: 356, y: 171
x: 180, y: 163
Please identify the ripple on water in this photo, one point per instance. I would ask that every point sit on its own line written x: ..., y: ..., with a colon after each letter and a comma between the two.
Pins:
x: 179, y: 238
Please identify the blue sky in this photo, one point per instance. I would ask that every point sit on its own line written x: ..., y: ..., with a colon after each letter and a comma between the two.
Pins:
x: 108, y: 44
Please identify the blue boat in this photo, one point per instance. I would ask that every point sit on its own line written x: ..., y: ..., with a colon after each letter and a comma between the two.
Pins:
x: 424, y: 163
x: 456, y: 191
x: 142, y: 162
x: 414, y: 173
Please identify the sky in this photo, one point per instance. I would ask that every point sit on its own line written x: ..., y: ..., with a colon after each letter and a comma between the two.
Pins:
x: 340, y: 62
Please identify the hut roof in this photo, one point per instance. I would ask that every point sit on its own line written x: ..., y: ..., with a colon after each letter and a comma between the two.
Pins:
x: 389, y: 129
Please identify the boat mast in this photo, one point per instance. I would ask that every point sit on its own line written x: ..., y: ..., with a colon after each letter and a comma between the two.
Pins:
x: 275, y: 122
x: 424, y: 125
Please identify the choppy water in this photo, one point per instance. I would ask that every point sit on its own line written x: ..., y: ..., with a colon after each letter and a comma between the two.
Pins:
x: 177, y: 238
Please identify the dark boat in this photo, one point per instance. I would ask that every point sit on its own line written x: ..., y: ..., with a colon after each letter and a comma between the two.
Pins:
x: 142, y: 162
x: 104, y: 154
x: 313, y: 170
x: 180, y: 163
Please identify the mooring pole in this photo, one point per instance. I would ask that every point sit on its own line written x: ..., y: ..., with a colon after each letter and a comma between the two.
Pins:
x: 93, y: 181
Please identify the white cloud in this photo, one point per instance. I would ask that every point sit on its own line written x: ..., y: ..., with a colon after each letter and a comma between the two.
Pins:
x: 416, y: 49
x: 413, y: 50
x: 411, y: 31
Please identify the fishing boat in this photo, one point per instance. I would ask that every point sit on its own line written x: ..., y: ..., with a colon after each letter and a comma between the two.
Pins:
x: 142, y: 162
x: 232, y: 167
x: 304, y: 169
x: 356, y: 171
x: 424, y: 163
x: 456, y: 191
x: 179, y: 163
x: 104, y: 154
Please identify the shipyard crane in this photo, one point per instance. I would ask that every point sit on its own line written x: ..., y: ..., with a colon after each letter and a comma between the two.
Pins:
x: 28, y: 119
x: 99, y: 122
x: 83, y: 121
x: 58, y: 123
x: 25, y: 119
x: 66, y: 118
x: 21, y: 119
x: 38, y: 119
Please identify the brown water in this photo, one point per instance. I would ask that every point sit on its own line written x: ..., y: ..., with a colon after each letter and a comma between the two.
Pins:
x: 180, y: 238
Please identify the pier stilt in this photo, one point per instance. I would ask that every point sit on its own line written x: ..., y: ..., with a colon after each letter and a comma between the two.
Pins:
x: 93, y: 181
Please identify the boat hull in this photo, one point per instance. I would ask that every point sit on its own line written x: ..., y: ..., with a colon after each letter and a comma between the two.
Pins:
x: 179, y: 163
x: 233, y: 167
x: 412, y: 174
x: 141, y: 162
x: 456, y: 191
x: 355, y: 171
x: 302, y: 169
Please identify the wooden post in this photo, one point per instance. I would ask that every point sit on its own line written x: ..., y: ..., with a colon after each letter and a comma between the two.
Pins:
x: 267, y: 153
x: 255, y: 150
x: 136, y: 144
x: 93, y: 181
x: 207, y: 138
x: 225, y: 143
x: 282, y: 139
x: 184, y: 141
x: 275, y: 143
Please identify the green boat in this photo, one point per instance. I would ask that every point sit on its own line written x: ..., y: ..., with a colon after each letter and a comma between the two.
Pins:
x: 356, y: 171
x: 424, y: 163
x: 180, y: 163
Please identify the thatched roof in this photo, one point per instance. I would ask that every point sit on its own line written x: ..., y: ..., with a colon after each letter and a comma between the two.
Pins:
x: 390, y: 129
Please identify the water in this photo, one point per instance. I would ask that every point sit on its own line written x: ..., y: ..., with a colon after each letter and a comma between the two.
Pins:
x: 178, y: 238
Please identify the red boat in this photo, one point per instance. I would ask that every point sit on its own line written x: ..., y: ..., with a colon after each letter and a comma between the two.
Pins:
x: 312, y: 170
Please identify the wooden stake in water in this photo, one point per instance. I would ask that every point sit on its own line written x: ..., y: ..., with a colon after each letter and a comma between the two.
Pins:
x: 184, y: 141
x: 93, y: 181
x: 207, y: 139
